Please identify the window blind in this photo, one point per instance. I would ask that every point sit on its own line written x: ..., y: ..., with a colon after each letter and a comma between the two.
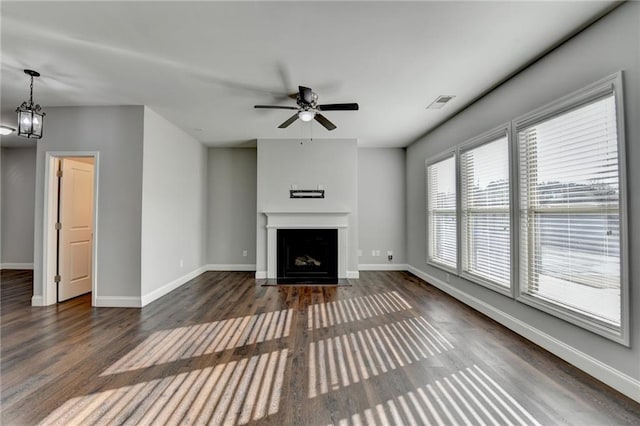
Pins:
x: 570, y: 210
x: 441, y: 212
x: 485, y: 211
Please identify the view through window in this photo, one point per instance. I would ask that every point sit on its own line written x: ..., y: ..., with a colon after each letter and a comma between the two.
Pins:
x: 486, y: 240
x: 570, y: 211
x: 441, y: 212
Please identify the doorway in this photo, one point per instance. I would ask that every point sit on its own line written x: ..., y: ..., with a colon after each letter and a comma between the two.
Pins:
x: 70, y: 221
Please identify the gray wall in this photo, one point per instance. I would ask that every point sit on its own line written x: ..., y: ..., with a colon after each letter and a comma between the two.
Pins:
x: 173, y: 205
x: 332, y: 163
x: 231, y: 217
x: 1, y: 204
x: 232, y: 205
x: 18, y: 169
x: 117, y: 133
x: 382, y: 205
x: 610, y: 45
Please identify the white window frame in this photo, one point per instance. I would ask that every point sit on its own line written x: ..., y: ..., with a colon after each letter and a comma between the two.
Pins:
x: 503, y: 130
x: 608, y: 85
x: 453, y: 153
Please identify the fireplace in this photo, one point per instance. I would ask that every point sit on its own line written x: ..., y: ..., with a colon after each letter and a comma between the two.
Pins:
x: 307, y: 256
x: 277, y: 221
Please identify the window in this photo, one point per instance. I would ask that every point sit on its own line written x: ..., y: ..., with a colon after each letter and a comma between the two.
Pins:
x: 441, y: 213
x: 485, y: 221
x: 571, y: 243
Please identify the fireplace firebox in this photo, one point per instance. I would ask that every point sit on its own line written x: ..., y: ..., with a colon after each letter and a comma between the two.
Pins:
x: 307, y: 256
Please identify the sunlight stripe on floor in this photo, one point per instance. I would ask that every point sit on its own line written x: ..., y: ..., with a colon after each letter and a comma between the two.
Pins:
x: 329, y: 314
x: 467, y: 397
x: 203, y: 339
x: 237, y: 392
x: 342, y: 360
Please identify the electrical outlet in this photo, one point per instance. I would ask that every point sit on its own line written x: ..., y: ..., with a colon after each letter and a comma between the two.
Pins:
x: 389, y: 253
x: 244, y: 253
x: 448, y: 277
x: 373, y: 252
x: 390, y: 256
x: 359, y: 253
x: 181, y: 263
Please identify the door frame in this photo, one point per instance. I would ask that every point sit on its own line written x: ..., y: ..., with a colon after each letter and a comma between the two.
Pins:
x: 50, y: 219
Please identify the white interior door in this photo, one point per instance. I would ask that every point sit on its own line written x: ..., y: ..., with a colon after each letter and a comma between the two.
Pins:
x: 76, y: 234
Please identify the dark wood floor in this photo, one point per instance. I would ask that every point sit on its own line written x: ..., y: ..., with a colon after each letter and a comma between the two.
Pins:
x: 389, y: 349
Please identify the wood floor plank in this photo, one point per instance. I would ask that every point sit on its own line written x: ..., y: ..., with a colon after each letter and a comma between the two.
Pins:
x: 222, y: 349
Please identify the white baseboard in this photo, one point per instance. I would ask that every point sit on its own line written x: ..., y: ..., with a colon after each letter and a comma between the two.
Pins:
x: 16, y: 266
x: 596, y: 368
x: 170, y: 286
x: 117, y: 302
x: 231, y: 267
x: 37, y: 301
x: 383, y: 267
x: 261, y: 275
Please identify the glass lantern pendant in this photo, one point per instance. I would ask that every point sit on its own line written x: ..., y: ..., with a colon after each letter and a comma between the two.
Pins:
x: 30, y: 115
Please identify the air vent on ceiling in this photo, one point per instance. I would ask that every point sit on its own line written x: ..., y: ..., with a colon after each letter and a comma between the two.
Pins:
x: 440, y: 101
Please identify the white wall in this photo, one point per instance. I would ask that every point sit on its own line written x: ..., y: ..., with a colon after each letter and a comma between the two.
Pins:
x: 18, y: 170
x: 332, y: 163
x: 231, y: 217
x: 382, y: 207
x: 173, y: 207
x: 610, y: 45
x: 116, y: 133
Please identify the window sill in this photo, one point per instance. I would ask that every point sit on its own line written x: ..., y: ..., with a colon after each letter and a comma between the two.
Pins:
x: 616, y: 334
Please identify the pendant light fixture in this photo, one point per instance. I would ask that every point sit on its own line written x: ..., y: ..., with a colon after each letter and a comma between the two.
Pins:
x: 30, y: 116
x: 6, y: 130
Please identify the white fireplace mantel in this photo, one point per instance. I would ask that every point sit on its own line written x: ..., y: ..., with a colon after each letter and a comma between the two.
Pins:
x: 306, y: 220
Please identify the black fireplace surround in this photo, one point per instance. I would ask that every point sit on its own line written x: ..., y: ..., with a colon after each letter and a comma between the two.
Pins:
x: 307, y: 256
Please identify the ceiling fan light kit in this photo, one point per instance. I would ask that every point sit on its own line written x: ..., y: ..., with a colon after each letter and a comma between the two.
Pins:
x: 306, y: 115
x: 30, y: 115
x: 308, y: 109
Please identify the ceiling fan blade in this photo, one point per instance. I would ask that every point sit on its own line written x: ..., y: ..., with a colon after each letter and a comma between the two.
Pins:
x: 285, y: 77
x: 338, y: 107
x: 306, y: 94
x: 326, y: 123
x: 287, y: 123
x: 274, y: 107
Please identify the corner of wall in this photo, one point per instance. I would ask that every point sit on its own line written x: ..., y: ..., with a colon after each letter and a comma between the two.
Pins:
x: 171, y: 242
x: 153, y: 295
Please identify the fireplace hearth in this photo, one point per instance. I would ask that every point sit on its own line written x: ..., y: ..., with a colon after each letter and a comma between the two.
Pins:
x: 307, y: 256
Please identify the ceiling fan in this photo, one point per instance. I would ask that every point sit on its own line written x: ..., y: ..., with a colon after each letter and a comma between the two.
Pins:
x: 308, y: 108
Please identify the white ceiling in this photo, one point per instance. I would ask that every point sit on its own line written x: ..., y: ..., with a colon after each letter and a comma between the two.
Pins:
x: 203, y: 65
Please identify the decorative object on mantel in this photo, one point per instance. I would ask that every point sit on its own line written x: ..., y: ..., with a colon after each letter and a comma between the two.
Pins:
x: 306, y: 193
x: 30, y: 115
x: 308, y: 108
